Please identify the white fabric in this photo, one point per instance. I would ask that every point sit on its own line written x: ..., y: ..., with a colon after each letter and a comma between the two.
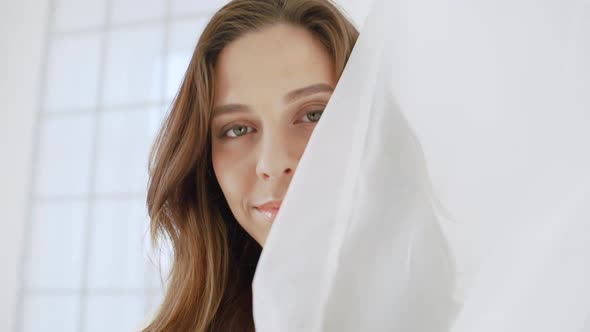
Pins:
x: 447, y: 186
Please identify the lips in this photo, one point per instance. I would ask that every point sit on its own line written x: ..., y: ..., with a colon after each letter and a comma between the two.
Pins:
x: 270, y: 205
x: 268, y: 210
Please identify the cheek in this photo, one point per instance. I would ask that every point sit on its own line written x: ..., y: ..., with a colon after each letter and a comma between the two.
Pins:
x: 299, y: 140
x: 231, y: 172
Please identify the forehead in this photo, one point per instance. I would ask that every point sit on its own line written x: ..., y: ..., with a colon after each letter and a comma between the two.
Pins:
x: 264, y: 64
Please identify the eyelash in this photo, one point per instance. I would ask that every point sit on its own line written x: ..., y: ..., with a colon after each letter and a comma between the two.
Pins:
x: 224, y: 133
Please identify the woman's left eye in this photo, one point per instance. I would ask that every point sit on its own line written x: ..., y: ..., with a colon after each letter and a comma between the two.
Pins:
x: 313, y: 116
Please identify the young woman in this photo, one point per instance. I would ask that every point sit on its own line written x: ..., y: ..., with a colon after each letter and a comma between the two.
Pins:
x: 258, y: 81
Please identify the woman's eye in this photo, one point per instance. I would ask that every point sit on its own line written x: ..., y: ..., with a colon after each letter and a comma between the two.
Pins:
x: 237, y: 131
x: 313, y: 116
x: 241, y: 130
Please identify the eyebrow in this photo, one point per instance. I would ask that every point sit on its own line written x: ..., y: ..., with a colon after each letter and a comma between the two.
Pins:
x: 309, y: 90
x: 289, y: 98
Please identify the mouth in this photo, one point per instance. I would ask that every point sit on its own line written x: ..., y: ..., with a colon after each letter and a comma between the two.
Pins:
x: 268, y: 214
x: 268, y: 211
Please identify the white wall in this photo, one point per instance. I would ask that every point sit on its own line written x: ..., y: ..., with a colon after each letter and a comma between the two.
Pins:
x: 22, y: 35
x: 357, y: 10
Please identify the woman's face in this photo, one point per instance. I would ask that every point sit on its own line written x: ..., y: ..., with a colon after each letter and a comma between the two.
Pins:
x: 271, y: 87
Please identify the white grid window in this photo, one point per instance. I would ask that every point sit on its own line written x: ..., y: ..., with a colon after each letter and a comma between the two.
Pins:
x: 112, y: 68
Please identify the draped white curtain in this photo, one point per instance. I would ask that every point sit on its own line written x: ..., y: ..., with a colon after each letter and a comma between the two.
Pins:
x: 447, y: 186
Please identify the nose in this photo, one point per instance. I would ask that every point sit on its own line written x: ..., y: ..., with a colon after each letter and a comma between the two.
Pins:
x: 275, y: 158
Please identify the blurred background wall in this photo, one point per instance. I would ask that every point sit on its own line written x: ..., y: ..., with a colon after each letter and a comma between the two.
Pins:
x: 84, y: 87
x: 22, y: 35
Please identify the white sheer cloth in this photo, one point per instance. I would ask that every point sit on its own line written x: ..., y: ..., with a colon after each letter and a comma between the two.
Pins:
x: 447, y: 186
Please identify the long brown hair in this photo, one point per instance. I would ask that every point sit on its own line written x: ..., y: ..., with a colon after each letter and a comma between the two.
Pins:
x: 214, y: 259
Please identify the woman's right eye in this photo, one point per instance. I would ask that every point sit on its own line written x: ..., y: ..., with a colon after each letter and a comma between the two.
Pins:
x: 237, y: 131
